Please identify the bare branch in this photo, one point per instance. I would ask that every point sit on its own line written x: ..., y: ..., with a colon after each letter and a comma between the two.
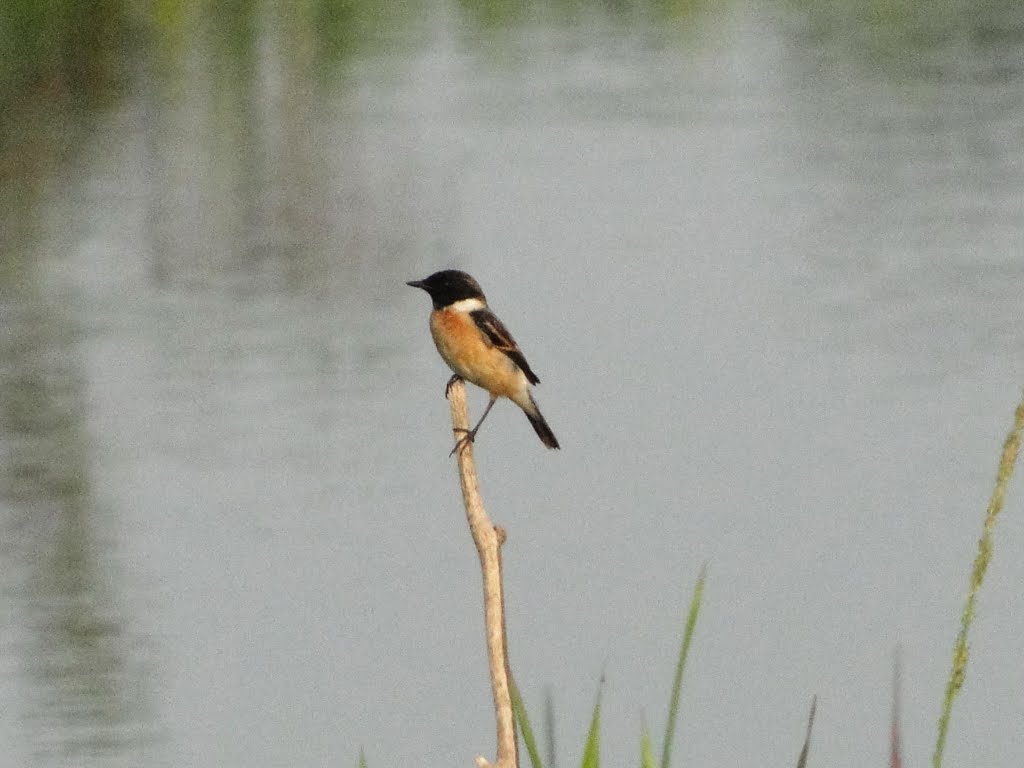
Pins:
x: 488, y: 540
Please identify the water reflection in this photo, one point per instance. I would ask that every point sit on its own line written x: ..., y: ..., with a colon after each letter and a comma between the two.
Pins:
x: 85, y: 690
x: 89, y: 697
x: 901, y: 161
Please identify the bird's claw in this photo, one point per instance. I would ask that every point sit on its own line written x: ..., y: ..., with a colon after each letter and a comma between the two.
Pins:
x: 462, y: 442
x: 451, y: 383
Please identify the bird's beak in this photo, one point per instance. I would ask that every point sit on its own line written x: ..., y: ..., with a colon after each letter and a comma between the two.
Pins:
x: 417, y: 284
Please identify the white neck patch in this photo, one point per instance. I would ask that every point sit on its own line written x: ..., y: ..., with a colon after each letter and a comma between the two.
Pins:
x: 467, y: 305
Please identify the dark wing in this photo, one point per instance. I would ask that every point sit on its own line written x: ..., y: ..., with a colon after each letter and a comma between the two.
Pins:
x: 499, y: 337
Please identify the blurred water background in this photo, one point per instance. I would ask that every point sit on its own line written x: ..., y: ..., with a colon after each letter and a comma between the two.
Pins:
x: 765, y: 256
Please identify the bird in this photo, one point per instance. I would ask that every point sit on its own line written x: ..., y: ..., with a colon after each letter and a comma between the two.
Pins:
x: 478, y: 348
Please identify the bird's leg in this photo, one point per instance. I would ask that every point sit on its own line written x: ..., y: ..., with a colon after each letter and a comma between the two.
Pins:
x: 451, y: 383
x: 470, y: 435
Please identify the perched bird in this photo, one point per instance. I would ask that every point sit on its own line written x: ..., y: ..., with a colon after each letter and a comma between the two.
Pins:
x: 478, y: 347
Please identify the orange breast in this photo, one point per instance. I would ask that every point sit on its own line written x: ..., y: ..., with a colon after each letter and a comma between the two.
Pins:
x: 465, y: 349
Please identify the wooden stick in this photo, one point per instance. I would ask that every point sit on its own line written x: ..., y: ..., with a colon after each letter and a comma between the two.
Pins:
x: 488, y: 539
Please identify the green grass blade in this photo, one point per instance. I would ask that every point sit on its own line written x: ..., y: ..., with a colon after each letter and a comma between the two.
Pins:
x: 523, y: 721
x: 677, y: 682
x: 960, y: 649
x: 362, y: 758
x: 646, y: 750
x: 592, y: 750
x: 802, y: 760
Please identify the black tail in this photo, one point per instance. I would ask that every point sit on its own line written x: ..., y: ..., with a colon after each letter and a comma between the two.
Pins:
x: 540, y: 426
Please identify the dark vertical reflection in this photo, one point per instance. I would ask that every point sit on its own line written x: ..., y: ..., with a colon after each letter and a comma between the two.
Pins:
x: 87, y: 696
x: 242, y: 149
x: 66, y: 645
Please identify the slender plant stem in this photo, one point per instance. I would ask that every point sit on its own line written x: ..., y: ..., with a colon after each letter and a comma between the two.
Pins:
x: 488, y: 540
x: 801, y: 761
x: 895, y: 726
x: 960, y: 650
x: 677, y: 681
